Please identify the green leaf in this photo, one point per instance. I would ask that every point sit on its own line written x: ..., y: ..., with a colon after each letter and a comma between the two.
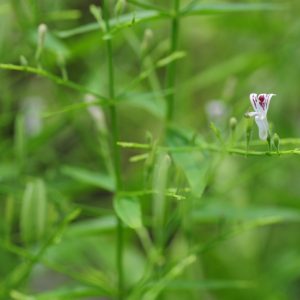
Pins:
x: 159, y: 285
x: 209, y: 284
x: 123, y: 21
x: 214, y: 211
x: 129, y: 211
x: 75, y: 292
x: 170, y: 58
x: 100, y: 180
x: 62, y: 293
x: 92, y: 227
x: 194, y: 165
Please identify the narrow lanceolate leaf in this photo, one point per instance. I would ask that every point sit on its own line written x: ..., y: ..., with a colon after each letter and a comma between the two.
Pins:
x: 214, y: 211
x: 63, y: 293
x: 33, y: 211
x: 101, y: 180
x: 175, y: 271
x: 207, y: 9
x: 92, y: 227
x: 129, y: 211
x: 71, y: 293
x: 120, y: 22
x: 170, y: 58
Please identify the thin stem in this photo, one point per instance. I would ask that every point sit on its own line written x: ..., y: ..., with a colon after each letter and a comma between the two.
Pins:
x: 171, y: 70
x: 211, y: 148
x: 115, y: 150
x: 58, y: 80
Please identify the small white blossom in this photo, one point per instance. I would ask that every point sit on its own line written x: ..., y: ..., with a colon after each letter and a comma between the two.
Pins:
x: 260, y: 104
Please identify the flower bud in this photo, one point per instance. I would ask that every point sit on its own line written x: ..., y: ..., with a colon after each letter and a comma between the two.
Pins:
x: 23, y: 61
x: 232, y: 124
x: 42, y: 30
x: 97, y: 13
x: 96, y: 113
x: 148, y: 36
x: 120, y: 6
x: 276, y: 141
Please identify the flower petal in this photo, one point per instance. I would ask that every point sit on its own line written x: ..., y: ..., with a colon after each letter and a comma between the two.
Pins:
x: 251, y: 114
x: 263, y: 102
x: 268, y: 99
x: 254, y: 101
x: 263, y: 127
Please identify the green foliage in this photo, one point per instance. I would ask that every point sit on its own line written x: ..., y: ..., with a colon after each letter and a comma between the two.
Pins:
x: 129, y: 211
x: 123, y: 174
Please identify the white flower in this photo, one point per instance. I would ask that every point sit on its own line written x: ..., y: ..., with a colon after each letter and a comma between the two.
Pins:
x: 260, y: 105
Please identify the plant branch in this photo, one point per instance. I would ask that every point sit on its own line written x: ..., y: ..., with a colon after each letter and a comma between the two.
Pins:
x: 212, y: 148
x: 58, y: 80
x: 115, y: 150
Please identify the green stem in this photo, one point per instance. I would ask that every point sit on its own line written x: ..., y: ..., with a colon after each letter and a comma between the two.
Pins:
x: 171, y: 70
x: 115, y: 150
x: 56, y: 79
x: 211, y: 148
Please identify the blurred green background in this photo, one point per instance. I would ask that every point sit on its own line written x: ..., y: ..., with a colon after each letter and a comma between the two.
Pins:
x: 55, y: 154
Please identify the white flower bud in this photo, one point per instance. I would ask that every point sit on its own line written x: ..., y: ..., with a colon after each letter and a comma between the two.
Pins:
x: 97, y: 113
x: 42, y: 30
x: 148, y: 37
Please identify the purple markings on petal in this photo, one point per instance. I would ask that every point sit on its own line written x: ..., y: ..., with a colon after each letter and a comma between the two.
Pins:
x: 262, y: 99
